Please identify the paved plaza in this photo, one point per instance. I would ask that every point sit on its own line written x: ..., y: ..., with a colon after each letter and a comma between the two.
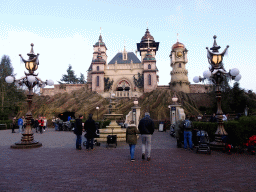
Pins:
x: 58, y: 166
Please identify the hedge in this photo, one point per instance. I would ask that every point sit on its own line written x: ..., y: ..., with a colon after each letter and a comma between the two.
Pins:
x: 238, y: 131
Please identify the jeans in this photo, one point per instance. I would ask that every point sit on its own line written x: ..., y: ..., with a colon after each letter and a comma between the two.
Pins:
x: 89, y: 142
x: 146, y: 144
x: 132, y: 150
x: 56, y: 126
x: 188, y: 136
x: 20, y: 128
x: 78, y: 141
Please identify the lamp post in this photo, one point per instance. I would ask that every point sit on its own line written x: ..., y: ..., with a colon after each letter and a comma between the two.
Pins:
x: 30, y: 80
x: 173, y: 109
x: 216, y: 75
x: 97, y: 108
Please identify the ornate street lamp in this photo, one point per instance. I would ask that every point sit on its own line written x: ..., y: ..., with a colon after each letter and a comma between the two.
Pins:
x: 30, y: 80
x: 216, y: 75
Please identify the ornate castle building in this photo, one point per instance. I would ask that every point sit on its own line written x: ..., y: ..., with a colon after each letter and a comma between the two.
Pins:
x: 126, y: 75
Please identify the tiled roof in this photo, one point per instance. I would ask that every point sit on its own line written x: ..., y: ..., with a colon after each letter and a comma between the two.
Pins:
x: 119, y: 58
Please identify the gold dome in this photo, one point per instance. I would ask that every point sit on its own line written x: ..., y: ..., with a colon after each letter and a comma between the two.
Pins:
x: 178, y: 45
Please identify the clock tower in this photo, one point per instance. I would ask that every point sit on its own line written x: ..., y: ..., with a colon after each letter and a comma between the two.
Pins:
x: 179, y: 74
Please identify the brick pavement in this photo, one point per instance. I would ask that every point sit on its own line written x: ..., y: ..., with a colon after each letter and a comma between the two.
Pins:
x: 57, y: 166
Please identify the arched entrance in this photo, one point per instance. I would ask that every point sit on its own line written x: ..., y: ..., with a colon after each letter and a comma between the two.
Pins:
x: 123, y: 88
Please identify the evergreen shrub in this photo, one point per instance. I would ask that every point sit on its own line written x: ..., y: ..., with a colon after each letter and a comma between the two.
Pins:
x: 238, y: 131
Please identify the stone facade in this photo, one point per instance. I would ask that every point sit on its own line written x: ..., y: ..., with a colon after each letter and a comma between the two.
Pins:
x: 64, y: 88
x: 197, y: 88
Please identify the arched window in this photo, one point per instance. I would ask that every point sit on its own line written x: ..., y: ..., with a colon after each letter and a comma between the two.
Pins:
x: 149, y: 79
x: 98, y: 81
x: 179, y: 65
x: 98, y: 68
x: 149, y: 66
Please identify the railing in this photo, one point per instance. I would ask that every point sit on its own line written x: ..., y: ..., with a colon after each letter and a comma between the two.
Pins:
x: 123, y: 94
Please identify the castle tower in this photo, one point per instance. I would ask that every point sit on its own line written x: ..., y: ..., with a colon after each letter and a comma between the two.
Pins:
x: 179, y: 74
x: 147, y: 41
x: 100, y: 45
x: 95, y: 73
x: 150, y: 72
x: 96, y: 70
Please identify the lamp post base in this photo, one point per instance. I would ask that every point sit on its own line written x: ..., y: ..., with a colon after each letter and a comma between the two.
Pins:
x: 217, y: 144
x: 26, y: 142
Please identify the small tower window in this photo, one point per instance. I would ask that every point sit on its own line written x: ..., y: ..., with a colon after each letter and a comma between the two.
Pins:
x: 124, y: 56
x: 98, y: 81
x: 149, y: 79
x: 98, y: 68
x: 179, y: 65
x: 149, y: 66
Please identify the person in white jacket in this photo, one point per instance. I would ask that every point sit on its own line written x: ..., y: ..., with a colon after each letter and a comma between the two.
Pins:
x: 45, y: 123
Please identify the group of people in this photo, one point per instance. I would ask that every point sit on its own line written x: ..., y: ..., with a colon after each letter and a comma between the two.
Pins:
x: 89, y: 127
x: 145, y: 128
x: 39, y: 124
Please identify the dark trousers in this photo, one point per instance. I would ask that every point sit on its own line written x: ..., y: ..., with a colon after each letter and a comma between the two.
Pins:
x: 41, y: 129
x: 89, y: 143
x: 78, y: 141
x: 13, y: 127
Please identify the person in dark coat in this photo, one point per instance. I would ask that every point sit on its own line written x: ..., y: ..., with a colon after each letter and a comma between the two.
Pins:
x: 78, y: 131
x: 90, y: 128
x: 213, y: 118
x: 146, y: 128
x: 36, y: 125
x: 13, y: 124
x: 131, y: 138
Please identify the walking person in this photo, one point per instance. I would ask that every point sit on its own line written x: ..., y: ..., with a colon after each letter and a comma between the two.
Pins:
x: 36, y: 125
x: 90, y: 128
x: 146, y: 128
x: 78, y: 131
x: 131, y: 138
x: 20, y: 124
x: 13, y: 124
x: 41, y: 124
x: 45, y: 123
x: 187, y: 125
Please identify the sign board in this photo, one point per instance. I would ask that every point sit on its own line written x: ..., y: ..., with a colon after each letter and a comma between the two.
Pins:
x: 161, y: 127
x: 173, y: 108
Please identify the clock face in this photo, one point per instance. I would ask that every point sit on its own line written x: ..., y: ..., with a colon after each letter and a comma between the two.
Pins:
x: 179, y: 54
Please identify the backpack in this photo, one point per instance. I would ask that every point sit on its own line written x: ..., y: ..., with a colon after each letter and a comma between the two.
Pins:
x: 187, y: 124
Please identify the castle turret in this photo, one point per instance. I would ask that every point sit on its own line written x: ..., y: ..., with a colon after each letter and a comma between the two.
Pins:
x: 96, y: 70
x: 179, y: 74
x: 150, y: 72
x: 147, y: 41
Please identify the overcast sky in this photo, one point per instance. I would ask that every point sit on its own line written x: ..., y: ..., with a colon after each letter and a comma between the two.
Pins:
x: 64, y: 32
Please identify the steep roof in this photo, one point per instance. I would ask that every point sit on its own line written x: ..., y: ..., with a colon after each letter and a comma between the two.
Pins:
x: 119, y: 58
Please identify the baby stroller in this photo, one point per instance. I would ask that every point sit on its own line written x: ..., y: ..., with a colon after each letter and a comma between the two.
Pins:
x: 202, y: 143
